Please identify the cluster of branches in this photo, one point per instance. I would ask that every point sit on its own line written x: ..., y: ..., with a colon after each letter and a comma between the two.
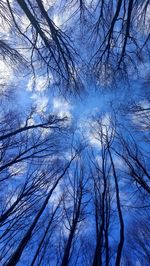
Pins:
x: 123, y: 35
x: 60, y: 207
x: 44, y: 41
x: 69, y: 203
x: 118, y: 32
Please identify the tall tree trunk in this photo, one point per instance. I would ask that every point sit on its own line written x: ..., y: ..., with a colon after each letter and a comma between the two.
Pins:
x: 65, y: 259
x: 121, y: 241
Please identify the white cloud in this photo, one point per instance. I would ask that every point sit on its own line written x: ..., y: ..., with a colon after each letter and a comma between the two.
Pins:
x: 39, y: 83
x: 93, y: 141
x: 57, y: 194
x: 48, y: 3
x: 64, y: 15
x: 24, y: 22
x: 17, y: 169
x: 142, y: 21
x: 30, y: 84
x: 40, y: 102
x: 144, y: 104
x: 62, y: 108
x: 57, y: 20
x: 95, y: 130
x: 4, y: 25
x: 6, y: 73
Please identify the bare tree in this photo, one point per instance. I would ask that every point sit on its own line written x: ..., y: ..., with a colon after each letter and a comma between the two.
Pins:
x: 46, y: 42
x: 122, y: 34
x: 20, y: 143
x: 138, y: 247
x: 102, y: 200
x: 105, y: 135
x: 74, y: 214
x: 136, y: 160
x: 26, y: 238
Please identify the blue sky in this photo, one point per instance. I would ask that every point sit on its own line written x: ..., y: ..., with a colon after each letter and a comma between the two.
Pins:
x: 35, y: 87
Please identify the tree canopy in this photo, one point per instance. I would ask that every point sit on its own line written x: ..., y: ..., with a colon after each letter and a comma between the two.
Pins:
x: 74, y: 132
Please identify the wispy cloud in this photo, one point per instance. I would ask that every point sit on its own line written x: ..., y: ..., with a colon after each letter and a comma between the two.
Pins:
x: 62, y: 108
x: 40, y: 102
